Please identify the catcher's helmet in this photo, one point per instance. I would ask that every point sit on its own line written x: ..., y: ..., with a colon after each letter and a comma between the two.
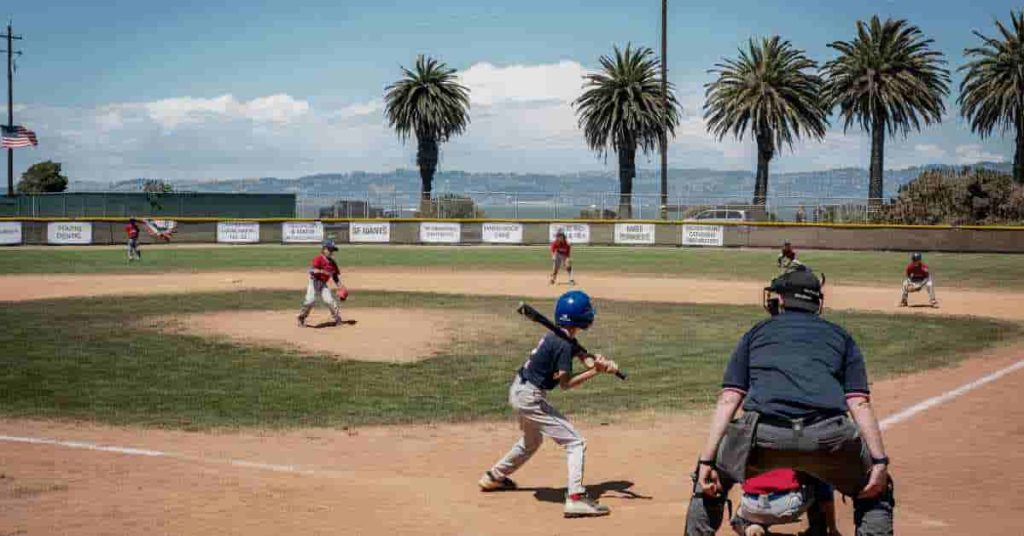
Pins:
x: 574, y: 309
x: 800, y: 288
x: 915, y: 257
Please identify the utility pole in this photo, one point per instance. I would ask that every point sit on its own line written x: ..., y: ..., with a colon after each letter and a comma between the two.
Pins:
x: 10, y: 101
x: 665, y: 105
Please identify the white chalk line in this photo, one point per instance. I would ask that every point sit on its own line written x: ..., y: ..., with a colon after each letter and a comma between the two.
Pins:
x: 887, y: 422
x: 929, y: 403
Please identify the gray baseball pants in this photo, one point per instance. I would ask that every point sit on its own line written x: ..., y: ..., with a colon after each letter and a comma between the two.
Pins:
x: 538, y: 418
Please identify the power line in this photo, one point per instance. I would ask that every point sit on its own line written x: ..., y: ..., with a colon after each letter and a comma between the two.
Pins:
x: 10, y: 99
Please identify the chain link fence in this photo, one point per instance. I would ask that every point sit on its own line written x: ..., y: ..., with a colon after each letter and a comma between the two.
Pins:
x: 595, y: 206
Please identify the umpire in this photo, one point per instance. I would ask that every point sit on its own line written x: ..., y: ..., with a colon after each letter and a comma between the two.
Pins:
x: 806, y: 403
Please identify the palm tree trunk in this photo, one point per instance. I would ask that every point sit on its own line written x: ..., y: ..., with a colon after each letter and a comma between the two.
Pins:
x: 875, y: 185
x: 765, y: 152
x: 627, y: 170
x: 426, y: 159
x: 1018, y: 154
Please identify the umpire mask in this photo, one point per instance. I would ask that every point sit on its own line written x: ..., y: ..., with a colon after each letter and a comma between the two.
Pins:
x: 800, y: 289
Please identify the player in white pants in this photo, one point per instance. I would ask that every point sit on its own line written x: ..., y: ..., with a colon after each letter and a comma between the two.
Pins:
x: 322, y: 271
x: 918, y: 277
x: 550, y: 366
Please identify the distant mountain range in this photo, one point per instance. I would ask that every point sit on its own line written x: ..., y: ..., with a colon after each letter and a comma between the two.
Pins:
x: 688, y: 183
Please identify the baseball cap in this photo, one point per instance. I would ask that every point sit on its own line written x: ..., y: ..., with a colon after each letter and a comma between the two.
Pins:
x: 800, y: 288
x: 329, y: 244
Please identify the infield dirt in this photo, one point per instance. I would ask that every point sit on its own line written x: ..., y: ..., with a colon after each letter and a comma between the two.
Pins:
x: 958, y: 466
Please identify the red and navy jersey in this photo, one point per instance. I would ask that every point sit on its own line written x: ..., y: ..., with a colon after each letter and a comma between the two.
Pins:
x: 561, y: 247
x: 917, y: 271
x: 327, y: 265
x: 132, y: 230
x: 773, y: 481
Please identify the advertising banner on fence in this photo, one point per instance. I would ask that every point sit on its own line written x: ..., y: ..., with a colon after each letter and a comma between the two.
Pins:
x: 576, y: 233
x: 10, y: 233
x: 703, y: 235
x: 503, y: 233
x: 440, y: 232
x: 369, y: 232
x: 238, y: 232
x: 634, y: 233
x: 302, y: 232
x: 69, y: 232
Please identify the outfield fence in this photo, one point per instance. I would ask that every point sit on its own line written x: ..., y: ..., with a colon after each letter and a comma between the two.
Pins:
x: 88, y: 231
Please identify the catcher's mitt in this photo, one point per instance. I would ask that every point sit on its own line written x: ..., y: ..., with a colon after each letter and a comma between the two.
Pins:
x: 342, y: 293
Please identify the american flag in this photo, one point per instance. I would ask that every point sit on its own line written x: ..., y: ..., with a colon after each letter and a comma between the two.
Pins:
x: 17, y: 136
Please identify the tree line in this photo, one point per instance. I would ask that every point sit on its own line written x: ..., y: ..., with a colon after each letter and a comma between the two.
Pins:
x: 888, y: 80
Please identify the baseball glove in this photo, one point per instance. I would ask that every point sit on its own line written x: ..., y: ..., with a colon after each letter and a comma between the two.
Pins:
x: 342, y: 293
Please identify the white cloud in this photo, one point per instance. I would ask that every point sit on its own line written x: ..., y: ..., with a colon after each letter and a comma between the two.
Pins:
x: 972, y: 153
x: 170, y: 113
x: 360, y: 108
x: 490, y: 85
x: 930, y: 150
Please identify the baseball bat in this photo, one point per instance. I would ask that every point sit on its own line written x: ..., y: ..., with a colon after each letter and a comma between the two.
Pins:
x: 577, y: 349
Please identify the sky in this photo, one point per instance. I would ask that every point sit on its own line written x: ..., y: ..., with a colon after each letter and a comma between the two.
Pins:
x: 231, y: 89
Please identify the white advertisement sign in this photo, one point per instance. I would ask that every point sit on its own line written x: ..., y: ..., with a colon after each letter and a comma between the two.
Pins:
x: 238, y: 232
x: 302, y: 232
x: 440, y: 232
x: 503, y: 233
x: 703, y: 235
x: 10, y: 232
x: 576, y: 233
x: 634, y: 233
x: 69, y: 232
x: 369, y: 232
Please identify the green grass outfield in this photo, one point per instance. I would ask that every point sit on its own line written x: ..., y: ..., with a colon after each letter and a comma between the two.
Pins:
x: 966, y: 270
x: 87, y: 359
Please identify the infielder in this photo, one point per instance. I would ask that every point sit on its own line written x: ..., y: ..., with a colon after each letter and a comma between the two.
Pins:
x: 787, y: 257
x: 550, y: 366
x: 918, y: 277
x: 132, y: 230
x: 322, y: 271
x: 560, y: 254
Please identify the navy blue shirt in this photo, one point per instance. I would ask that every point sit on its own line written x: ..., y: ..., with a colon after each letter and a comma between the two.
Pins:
x: 796, y: 365
x: 551, y: 355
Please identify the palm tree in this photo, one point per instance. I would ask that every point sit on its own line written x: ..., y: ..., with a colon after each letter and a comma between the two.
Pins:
x: 767, y: 92
x: 622, y: 108
x: 888, y: 80
x: 992, y: 91
x: 430, y: 103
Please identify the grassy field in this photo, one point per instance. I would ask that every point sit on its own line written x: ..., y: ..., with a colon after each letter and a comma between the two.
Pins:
x: 87, y: 359
x: 864, y: 267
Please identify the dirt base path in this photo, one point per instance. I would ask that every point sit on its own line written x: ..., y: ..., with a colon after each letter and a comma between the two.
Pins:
x: 958, y: 468
x: 1004, y: 305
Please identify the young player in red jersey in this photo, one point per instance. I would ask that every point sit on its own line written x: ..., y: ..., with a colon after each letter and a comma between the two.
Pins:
x: 323, y: 270
x: 560, y: 255
x: 132, y: 230
x: 918, y: 277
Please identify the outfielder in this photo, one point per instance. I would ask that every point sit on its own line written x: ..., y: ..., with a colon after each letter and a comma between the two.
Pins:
x: 132, y: 230
x: 550, y: 366
x: 807, y: 406
x: 560, y: 254
x: 918, y: 277
x: 322, y: 271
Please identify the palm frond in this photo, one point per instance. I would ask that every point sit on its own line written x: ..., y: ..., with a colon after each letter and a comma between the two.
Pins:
x: 992, y: 91
x: 771, y: 89
x: 622, y: 105
x: 428, y: 101
x: 889, y: 74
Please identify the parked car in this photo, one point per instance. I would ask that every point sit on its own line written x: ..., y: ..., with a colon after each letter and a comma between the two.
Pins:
x: 723, y: 215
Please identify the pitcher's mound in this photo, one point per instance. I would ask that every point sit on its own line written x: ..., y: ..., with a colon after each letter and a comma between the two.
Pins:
x: 377, y: 334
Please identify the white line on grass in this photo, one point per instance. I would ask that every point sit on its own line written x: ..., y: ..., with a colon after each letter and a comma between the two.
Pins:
x: 887, y: 422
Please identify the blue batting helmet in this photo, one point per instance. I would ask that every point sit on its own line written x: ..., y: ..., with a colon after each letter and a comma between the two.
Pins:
x: 574, y: 309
